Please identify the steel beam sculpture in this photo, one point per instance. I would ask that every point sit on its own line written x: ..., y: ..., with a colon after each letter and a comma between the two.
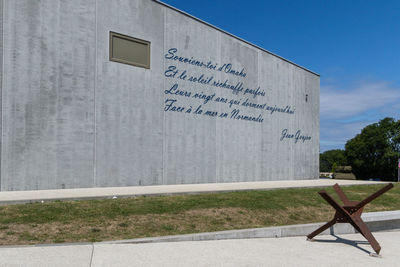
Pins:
x: 350, y: 212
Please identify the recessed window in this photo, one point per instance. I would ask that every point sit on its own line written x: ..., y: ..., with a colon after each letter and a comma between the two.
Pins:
x: 129, y: 50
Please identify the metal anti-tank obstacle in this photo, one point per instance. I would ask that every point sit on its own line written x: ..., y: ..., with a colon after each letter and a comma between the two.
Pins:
x: 350, y: 212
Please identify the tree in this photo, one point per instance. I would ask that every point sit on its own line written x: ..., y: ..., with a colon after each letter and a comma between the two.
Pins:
x: 374, y: 152
x: 330, y: 159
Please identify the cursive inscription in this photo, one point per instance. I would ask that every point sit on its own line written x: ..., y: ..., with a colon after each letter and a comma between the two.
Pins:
x: 298, y: 136
x: 197, y: 83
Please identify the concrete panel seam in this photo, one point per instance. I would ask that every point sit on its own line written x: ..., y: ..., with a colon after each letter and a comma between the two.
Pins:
x: 91, y: 255
x: 1, y: 93
x: 94, y: 101
x: 163, y: 128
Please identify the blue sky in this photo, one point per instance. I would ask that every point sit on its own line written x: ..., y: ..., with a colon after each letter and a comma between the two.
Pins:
x: 354, y: 45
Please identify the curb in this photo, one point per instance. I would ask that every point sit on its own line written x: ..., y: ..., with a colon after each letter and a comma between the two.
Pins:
x: 376, y: 221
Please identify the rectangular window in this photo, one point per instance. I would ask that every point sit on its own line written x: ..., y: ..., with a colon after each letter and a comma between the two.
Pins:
x: 129, y: 50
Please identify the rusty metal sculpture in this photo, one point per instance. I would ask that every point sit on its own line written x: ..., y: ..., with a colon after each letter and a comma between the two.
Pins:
x: 350, y: 212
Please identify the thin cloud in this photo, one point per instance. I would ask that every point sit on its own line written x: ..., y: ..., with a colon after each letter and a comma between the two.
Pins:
x: 342, y: 130
x: 344, y: 113
x: 335, y: 133
x: 340, y: 104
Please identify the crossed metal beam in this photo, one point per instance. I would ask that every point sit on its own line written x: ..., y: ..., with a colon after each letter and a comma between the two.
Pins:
x: 350, y: 212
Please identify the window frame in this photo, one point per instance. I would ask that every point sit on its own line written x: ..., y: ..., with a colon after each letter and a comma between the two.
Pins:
x: 131, y: 39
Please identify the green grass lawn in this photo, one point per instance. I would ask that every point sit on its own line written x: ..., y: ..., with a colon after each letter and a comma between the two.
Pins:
x: 125, y: 218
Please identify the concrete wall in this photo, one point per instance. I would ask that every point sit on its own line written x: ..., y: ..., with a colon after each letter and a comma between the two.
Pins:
x: 1, y: 81
x: 48, y: 94
x: 73, y: 118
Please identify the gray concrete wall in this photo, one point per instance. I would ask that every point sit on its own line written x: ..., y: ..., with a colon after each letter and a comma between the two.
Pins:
x: 72, y: 118
x: 1, y: 80
x: 129, y: 116
x: 48, y: 94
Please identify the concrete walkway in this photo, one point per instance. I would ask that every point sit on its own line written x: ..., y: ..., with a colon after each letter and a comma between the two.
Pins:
x: 342, y: 250
x: 10, y: 197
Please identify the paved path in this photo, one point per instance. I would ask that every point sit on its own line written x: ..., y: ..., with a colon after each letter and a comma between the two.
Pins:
x: 343, y: 250
x: 9, y: 197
